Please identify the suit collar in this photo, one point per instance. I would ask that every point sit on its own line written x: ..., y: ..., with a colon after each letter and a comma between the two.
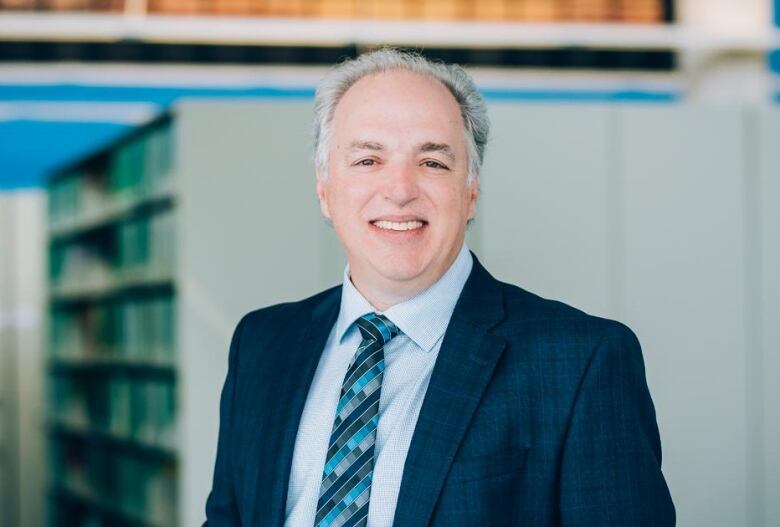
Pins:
x: 481, y: 303
x: 466, y: 360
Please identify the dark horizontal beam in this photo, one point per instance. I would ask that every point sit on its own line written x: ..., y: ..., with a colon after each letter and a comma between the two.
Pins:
x: 566, y: 58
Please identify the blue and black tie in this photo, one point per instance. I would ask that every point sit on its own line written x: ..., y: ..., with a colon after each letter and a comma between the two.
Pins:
x: 349, y: 464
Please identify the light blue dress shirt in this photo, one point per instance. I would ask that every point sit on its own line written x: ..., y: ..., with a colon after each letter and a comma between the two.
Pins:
x: 409, y: 360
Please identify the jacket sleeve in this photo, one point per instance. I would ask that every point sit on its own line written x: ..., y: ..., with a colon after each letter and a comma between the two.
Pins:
x: 611, y: 463
x: 221, y: 506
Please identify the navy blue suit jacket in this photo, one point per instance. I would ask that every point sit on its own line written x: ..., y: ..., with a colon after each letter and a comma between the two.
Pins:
x: 536, y: 414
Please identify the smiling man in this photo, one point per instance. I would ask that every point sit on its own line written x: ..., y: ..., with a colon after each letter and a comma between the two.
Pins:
x: 422, y: 391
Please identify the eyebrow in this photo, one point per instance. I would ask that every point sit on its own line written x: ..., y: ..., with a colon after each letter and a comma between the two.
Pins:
x: 428, y: 146
x: 365, y: 145
x: 438, y: 147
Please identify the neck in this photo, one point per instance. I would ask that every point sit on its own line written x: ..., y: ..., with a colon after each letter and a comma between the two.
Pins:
x: 383, y: 298
x: 383, y: 293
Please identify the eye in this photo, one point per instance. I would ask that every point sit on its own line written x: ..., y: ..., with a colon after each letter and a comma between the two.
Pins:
x: 430, y: 163
x: 366, y: 162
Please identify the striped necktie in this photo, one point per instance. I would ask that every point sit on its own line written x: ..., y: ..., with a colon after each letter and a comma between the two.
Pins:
x: 349, y: 464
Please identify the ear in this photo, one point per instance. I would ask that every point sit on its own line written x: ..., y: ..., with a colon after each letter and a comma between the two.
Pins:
x: 473, y: 195
x: 322, y: 195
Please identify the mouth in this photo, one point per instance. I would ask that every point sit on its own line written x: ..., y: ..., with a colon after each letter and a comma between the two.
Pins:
x: 399, y: 226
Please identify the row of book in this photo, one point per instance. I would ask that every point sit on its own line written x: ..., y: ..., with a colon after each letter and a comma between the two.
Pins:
x: 65, y: 197
x: 141, y: 329
x: 118, y: 406
x: 143, y: 246
x: 86, y: 264
x: 142, y: 167
x: 143, y: 164
x: 498, y: 10
x: 147, y: 242
x: 501, y: 10
x: 112, y: 481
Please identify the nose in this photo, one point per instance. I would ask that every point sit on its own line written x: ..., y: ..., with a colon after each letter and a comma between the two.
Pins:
x: 401, y: 185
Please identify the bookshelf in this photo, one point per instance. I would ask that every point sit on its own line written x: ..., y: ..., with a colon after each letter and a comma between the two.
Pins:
x: 111, y: 364
x: 653, y: 11
x: 161, y: 30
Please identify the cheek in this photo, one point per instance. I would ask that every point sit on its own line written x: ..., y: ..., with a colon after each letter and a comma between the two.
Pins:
x: 452, y: 202
x: 349, y: 201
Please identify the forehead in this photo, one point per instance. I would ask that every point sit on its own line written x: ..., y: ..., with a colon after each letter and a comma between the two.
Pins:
x: 398, y: 102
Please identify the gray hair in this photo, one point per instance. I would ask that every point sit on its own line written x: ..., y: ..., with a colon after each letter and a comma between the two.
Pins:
x: 340, y: 78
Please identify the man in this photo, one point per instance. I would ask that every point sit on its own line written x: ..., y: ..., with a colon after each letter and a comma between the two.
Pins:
x: 423, y: 391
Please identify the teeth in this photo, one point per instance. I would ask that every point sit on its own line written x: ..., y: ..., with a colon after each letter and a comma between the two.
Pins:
x: 398, y: 226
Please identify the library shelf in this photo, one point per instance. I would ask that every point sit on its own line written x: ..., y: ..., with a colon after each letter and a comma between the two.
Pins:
x: 371, y: 32
x: 157, y: 450
x: 107, y: 508
x: 112, y: 288
x: 108, y: 363
x: 112, y: 367
x: 111, y: 213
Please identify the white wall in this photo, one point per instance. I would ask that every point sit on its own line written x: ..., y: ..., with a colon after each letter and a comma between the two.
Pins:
x: 22, y: 469
x: 8, y: 426
x: 733, y: 16
x: 683, y: 200
x: 766, y: 287
x: 728, y: 63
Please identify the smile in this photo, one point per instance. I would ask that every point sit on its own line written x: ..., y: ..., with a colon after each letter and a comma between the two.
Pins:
x: 398, y: 225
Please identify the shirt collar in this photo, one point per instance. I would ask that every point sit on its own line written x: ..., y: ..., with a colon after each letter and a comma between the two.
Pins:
x: 424, y: 317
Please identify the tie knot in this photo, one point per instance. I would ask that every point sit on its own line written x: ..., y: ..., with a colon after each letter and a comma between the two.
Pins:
x: 377, y: 327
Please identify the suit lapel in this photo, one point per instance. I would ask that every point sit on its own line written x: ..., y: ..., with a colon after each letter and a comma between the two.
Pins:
x: 292, y: 373
x: 463, y: 368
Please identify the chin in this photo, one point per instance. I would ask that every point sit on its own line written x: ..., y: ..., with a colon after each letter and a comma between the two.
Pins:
x: 401, y: 271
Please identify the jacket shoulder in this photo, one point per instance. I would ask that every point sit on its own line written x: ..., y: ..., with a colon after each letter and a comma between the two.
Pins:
x: 286, y: 311
x: 564, y: 342
x: 526, y: 308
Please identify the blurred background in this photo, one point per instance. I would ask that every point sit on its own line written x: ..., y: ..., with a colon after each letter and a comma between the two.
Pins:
x: 156, y: 184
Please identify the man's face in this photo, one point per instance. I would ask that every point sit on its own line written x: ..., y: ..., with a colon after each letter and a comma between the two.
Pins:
x: 396, y: 188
